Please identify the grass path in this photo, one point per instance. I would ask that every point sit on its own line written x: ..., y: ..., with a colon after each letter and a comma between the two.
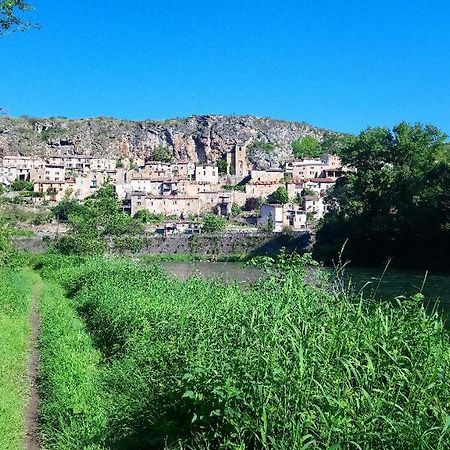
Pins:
x: 31, y: 439
x: 16, y: 289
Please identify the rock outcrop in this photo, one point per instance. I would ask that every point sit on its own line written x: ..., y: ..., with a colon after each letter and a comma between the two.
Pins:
x: 197, y: 138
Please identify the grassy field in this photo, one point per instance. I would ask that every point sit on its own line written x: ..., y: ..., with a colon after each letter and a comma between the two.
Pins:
x: 134, y: 359
x: 15, y: 303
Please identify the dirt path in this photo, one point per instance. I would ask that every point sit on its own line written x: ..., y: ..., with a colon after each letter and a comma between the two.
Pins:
x: 31, y: 441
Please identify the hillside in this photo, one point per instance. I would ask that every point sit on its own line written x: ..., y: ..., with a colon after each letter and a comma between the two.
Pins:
x: 198, y: 138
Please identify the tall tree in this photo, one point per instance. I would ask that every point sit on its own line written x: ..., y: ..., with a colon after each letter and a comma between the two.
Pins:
x: 10, y: 19
x: 396, y: 202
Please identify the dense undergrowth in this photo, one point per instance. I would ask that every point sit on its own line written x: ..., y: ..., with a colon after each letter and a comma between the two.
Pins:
x: 133, y: 358
x: 15, y: 302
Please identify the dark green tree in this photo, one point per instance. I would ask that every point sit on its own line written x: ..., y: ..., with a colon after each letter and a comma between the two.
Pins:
x: 396, y: 203
x: 279, y: 196
x: 222, y: 166
x: 163, y: 154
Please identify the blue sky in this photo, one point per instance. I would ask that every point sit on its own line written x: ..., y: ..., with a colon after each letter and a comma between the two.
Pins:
x: 338, y: 64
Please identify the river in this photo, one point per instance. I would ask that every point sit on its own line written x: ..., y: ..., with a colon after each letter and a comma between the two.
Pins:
x: 393, y: 283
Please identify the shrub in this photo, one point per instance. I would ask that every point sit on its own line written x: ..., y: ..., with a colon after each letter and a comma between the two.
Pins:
x: 213, y: 223
x: 22, y: 185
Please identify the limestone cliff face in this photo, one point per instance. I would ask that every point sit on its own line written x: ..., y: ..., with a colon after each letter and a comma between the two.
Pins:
x: 197, y: 138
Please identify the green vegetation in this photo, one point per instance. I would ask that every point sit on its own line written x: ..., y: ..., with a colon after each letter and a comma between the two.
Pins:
x: 160, y: 363
x: 145, y: 216
x: 397, y: 202
x: 213, y: 223
x: 235, y: 210
x: 263, y: 146
x: 15, y: 301
x: 280, y: 196
x: 10, y: 19
x: 307, y: 147
x: 162, y: 154
x: 22, y: 185
x: 222, y: 166
x: 253, y: 203
x: 73, y: 413
x: 98, y: 218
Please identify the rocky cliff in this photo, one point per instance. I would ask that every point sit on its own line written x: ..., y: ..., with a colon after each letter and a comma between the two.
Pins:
x: 197, y: 138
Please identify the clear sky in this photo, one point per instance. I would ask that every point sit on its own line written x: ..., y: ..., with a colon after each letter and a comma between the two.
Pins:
x: 338, y: 64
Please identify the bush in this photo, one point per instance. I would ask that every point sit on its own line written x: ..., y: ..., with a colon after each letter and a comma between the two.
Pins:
x: 145, y: 216
x: 213, y: 223
x: 22, y: 185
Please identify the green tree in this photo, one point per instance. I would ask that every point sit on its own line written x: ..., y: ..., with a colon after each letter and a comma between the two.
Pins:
x: 163, y: 154
x: 397, y: 201
x: 99, y: 218
x: 307, y: 147
x: 213, y: 223
x: 222, y: 166
x: 10, y: 19
x: 280, y: 196
x: 65, y: 208
x: 22, y: 185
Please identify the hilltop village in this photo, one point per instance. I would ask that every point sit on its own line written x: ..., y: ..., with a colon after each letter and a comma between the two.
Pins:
x: 289, y: 197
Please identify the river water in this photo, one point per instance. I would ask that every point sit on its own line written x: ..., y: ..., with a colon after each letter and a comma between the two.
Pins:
x: 393, y: 283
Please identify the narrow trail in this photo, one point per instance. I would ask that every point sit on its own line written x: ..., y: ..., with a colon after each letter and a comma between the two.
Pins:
x: 31, y: 440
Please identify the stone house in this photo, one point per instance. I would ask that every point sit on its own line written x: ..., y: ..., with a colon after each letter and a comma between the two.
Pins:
x: 207, y: 173
x: 183, y: 169
x: 261, y: 188
x: 48, y: 172
x: 281, y: 216
x: 176, y: 205
x: 307, y: 168
x: 269, y: 175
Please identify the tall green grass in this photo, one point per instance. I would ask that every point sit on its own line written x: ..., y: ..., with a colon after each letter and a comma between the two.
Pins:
x: 15, y: 302
x: 73, y: 410
x: 282, y: 365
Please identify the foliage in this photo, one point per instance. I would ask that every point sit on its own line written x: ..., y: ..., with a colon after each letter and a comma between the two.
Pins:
x: 307, y: 147
x: 99, y: 217
x: 263, y: 146
x: 145, y: 216
x: 280, y: 196
x: 234, y: 187
x: 397, y: 202
x: 22, y: 185
x: 252, y: 203
x: 10, y: 19
x: 163, y: 154
x: 119, y: 163
x: 15, y: 301
x: 65, y: 208
x: 235, y: 210
x: 334, y: 144
x: 196, y: 364
x: 222, y: 166
x: 213, y: 223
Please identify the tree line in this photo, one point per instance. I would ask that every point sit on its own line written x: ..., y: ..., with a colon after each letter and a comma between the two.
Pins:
x: 395, y: 203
